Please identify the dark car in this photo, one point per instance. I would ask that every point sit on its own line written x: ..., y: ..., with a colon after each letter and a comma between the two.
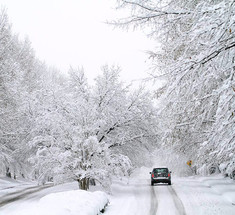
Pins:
x: 160, y: 175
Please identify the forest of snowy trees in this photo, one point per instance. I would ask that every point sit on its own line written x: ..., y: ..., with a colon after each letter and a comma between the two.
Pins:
x: 58, y: 127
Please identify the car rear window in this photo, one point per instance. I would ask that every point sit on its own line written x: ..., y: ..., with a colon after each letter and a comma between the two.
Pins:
x: 161, y: 170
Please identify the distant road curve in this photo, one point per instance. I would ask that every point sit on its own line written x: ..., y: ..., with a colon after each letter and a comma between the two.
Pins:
x: 17, y: 195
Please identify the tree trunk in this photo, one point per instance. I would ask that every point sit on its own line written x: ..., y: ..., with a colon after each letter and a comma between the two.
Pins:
x: 8, y: 173
x: 92, y: 182
x: 84, y: 183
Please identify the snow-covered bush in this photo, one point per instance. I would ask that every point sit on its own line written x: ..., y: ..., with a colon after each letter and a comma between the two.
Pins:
x: 213, y: 169
x: 230, y: 170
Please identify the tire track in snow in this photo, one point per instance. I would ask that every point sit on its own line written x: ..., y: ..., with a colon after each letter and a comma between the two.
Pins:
x: 11, y: 197
x: 177, y: 201
x: 154, y: 202
x: 146, y: 199
x: 18, y: 191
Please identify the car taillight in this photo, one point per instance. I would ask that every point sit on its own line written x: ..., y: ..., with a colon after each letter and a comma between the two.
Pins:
x: 169, y: 175
x: 152, y: 175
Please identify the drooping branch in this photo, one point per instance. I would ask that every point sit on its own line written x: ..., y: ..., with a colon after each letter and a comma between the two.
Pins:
x: 161, y: 12
x: 108, y: 131
x: 216, y: 53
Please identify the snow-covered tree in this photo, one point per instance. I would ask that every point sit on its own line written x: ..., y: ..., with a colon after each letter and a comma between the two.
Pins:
x: 23, y: 81
x: 16, y: 57
x: 78, y: 128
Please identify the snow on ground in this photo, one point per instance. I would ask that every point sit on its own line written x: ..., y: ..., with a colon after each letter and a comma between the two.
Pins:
x: 64, y: 199
x: 75, y: 202
x: 214, y: 195
x: 7, y: 185
x: 6, y: 182
x: 131, y: 196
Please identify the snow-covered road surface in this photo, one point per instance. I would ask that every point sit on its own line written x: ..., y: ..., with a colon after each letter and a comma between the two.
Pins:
x: 20, y: 194
x: 186, y: 196
x: 168, y: 200
x: 141, y: 198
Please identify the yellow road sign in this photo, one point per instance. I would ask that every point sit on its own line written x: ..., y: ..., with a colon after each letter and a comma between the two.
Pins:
x: 189, y: 163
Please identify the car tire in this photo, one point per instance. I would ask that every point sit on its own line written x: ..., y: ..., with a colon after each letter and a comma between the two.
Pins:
x: 169, y: 183
x: 152, y: 183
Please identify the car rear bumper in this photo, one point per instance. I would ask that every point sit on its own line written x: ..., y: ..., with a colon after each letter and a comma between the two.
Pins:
x: 160, y: 180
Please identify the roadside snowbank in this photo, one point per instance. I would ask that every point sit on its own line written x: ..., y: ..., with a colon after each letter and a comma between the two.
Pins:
x: 75, y: 202
x: 222, y: 186
x: 206, y: 195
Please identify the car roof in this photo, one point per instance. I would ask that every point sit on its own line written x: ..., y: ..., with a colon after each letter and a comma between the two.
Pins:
x: 160, y: 168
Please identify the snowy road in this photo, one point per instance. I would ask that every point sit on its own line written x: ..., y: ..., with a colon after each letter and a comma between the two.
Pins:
x: 142, y: 198
x: 166, y: 195
x: 20, y: 194
x: 186, y: 196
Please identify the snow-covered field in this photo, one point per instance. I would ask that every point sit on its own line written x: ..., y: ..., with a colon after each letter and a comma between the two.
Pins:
x: 214, y: 195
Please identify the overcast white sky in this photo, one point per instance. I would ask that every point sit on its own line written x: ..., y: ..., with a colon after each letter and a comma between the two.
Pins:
x: 73, y: 32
